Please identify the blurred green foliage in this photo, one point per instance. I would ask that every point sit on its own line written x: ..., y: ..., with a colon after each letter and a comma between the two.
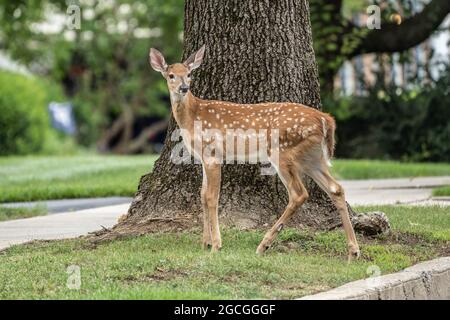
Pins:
x: 334, y: 36
x: 393, y: 123
x: 24, y: 120
x: 103, y: 66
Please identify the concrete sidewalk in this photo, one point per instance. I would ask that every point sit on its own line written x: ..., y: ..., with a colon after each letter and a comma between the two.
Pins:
x: 398, y: 183
x: 414, y: 191
x: 59, y: 226
x: 67, y: 205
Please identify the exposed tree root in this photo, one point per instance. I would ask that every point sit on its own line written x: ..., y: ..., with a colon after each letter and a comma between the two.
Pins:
x: 368, y: 224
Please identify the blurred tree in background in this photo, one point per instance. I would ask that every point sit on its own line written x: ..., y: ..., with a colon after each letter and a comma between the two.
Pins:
x: 103, y: 66
x: 338, y: 37
x: 393, y: 123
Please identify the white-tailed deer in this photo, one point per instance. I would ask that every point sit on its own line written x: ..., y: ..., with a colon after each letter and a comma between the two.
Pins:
x: 305, y: 146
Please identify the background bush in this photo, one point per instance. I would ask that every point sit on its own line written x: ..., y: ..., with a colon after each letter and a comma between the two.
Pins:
x: 391, y: 123
x: 24, y: 121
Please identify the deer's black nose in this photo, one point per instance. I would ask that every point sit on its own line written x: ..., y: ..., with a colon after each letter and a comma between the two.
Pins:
x: 184, y: 88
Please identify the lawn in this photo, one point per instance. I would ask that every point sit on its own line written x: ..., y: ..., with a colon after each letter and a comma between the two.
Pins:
x: 42, y: 178
x: 442, y: 191
x: 21, y: 213
x: 173, y: 266
x: 377, y: 169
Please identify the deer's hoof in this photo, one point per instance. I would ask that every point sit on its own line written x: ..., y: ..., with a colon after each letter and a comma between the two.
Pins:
x: 353, y: 254
x: 262, y: 248
x: 206, y: 245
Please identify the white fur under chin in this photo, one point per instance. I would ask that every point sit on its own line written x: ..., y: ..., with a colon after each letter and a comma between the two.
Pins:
x: 177, y: 97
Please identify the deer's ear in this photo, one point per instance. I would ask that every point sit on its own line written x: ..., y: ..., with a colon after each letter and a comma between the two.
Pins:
x: 157, y: 61
x: 195, y: 60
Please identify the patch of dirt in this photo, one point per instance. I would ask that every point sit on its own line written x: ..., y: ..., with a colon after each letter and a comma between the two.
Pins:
x: 137, y: 227
x: 233, y: 277
x: 160, y: 274
x: 397, y: 237
x: 442, y: 248
x: 296, y: 286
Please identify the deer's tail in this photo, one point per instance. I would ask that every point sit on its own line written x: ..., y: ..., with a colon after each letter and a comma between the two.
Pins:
x: 329, y: 127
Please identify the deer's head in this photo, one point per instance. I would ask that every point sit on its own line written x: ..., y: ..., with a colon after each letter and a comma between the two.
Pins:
x: 178, y: 75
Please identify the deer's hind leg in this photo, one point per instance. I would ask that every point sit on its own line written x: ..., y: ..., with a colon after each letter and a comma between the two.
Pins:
x: 319, y: 171
x: 290, y: 175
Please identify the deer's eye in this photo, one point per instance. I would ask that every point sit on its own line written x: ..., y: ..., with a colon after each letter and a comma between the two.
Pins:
x: 188, y: 75
x: 171, y: 76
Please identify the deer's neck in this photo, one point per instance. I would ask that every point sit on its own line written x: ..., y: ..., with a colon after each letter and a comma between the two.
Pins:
x: 183, y: 109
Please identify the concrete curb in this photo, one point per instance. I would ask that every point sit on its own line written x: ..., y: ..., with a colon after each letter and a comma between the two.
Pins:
x: 428, y: 280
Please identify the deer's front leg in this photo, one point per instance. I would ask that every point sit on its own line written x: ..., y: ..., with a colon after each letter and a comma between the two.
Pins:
x: 206, y: 240
x: 211, y: 178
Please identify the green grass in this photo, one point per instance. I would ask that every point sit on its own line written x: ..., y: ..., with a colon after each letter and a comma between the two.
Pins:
x: 43, y: 178
x: 442, y: 191
x: 172, y: 266
x: 21, y: 213
x: 377, y: 169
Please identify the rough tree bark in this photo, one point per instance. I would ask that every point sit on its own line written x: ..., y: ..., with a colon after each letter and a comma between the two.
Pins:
x: 256, y: 51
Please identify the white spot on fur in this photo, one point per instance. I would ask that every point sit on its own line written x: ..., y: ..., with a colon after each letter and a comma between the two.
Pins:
x: 333, y: 188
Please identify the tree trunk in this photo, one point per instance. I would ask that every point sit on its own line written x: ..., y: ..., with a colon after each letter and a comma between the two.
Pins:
x: 256, y: 51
